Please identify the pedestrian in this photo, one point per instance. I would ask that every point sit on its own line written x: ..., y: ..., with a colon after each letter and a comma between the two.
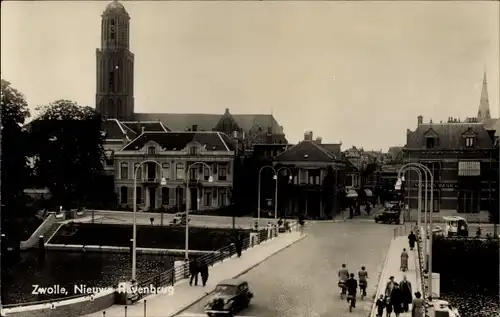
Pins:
x: 388, y: 306
x: 405, y: 287
x: 478, y: 232
x: 193, y: 271
x: 404, y: 260
x: 397, y: 300
x: 381, y: 303
x: 204, y: 271
x: 238, y: 245
x: 417, y: 305
x: 412, y: 238
x: 389, y: 286
x: 352, y: 286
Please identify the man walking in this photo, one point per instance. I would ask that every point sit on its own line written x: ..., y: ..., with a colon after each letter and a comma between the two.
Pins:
x: 204, y: 272
x: 193, y: 271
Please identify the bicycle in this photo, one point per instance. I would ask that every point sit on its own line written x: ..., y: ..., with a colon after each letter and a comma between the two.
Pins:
x: 351, y: 299
x: 362, y: 287
x: 343, y: 289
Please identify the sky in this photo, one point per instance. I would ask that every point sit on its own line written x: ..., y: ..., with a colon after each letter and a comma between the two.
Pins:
x: 355, y: 72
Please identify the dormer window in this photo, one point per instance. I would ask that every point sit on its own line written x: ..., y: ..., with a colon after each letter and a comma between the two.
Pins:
x: 469, y: 142
x: 151, y: 150
x: 193, y: 150
x: 430, y: 143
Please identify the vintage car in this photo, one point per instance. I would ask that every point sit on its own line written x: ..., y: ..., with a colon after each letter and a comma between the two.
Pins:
x: 230, y: 297
x: 179, y: 219
x: 388, y: 217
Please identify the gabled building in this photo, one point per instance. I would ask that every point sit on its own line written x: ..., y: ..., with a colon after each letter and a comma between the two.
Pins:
x: 304, y: 167
x: 175, y: 156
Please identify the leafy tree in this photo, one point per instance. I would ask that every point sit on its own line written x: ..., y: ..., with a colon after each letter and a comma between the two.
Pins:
x: 14, y: 170
x: 67, y: 141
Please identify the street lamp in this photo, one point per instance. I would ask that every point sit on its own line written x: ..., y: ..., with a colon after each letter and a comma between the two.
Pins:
x: 188, y: 201
x: 275, y: 177
x: 429, y: 262
x: 134, y: 227
x: 400, y: 182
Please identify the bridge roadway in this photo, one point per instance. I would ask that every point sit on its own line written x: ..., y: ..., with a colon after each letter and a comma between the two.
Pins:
x: 301, y: 281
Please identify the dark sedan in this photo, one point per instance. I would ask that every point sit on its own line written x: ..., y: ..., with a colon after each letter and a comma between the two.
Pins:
x: 231, y: 296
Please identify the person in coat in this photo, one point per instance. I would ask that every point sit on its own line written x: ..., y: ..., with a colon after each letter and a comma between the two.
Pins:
x: 203, y: 267
x: 238, y: 245
x: 404, y: 260
x: 412, y: 238
x: 405, y: 287
x: 397, y: 300
x: 389, y: 286
x: 417, y: 306
x: 193, y: 272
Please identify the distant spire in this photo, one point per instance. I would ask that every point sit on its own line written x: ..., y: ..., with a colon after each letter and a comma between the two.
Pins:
x: 484, y: 105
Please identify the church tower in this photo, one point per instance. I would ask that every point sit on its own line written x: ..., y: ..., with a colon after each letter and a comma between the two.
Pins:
x: 484, y: 105
x: 115, y: 65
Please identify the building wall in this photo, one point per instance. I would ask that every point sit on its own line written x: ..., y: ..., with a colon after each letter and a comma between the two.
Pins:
x: 176, y: 178
x: 452, y: 191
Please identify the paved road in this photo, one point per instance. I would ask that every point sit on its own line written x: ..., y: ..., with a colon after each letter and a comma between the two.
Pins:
x: 301, y: 281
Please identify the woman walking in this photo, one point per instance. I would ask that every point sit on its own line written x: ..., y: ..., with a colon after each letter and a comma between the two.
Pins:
x: 417, y: 304
x: 404, y: 260
x: 412, y: 238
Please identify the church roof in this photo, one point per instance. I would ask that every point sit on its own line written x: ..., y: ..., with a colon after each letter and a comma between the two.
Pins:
x: 115, y: 130
x: 148, y: 126
x: 333, y: 148
x: 450, y: 135
x: 115, y: 7
x: 207, y: 122
x: 483, y: 112
x: 305, y: 151
x: 176, y: 141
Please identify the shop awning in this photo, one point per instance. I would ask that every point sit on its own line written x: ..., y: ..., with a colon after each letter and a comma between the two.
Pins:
x: 351, y: 193
x: 368, y: 193
x: 469, y: 168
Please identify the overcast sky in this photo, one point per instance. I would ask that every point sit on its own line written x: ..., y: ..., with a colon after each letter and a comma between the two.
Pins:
x: 356, y: 72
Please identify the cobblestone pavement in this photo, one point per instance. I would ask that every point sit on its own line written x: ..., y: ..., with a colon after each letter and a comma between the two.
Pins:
x: 301, y: 281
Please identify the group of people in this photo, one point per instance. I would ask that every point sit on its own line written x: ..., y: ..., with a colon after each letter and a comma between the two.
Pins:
x: 350, y: 285
x: 397, y: 299
x: 198, y: 267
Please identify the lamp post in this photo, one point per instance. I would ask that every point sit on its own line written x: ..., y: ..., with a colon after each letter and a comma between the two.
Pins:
x: 276, y: 188
x: 188, y: 201
x: 399, y: 183
x: 429, y: 262
x: 134, y: 226
x: 275, y: 177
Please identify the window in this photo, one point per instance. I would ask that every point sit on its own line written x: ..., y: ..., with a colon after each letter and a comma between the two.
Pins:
x: 112, y: 29
x: 303, y: 176
x: 124, y: 170
x: 109, y: 158
x: 469, y: 142
x: 193, y: 173
x: 222, y: 197
x: 123, y: 195
x: 207, y: 198
x: 222, y: 172
x: 139, y: 195
x: 468, y: 201
x: 111, y: 81
x: 137, y: 170
x: 151, y: 150
x: 165, y: 196
x: 206, y: 173
x: 193, y: 150
x: 179, y: 171
x: 165, y: 170
x: 435, y: 169
x: 430, y: 143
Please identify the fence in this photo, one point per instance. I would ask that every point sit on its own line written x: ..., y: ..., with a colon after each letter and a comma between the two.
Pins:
x: 173, y: 275
x: 421, y: 239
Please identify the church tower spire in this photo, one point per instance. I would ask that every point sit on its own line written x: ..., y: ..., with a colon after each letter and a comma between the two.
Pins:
x: 115, y: 65
x: 484, y: 105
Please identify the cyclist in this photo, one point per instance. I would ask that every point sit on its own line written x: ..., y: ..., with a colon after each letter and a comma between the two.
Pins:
x: 351, y: 285
x: 363, y: 283
x: 343, y: 277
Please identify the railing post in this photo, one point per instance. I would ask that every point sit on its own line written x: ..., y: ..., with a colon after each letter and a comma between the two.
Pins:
x: 103, y: 314
x: 145, y: 308
x: 126, y: 311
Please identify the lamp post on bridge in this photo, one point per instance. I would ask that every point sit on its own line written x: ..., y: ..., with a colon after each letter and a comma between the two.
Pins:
x: 275, y: 177
x: 429, y: 262
x: 188, y: 201
x: 163, y: 182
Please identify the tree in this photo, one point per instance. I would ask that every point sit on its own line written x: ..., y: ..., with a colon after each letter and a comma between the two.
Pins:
x: 14, y: 170
x: 67, y: 142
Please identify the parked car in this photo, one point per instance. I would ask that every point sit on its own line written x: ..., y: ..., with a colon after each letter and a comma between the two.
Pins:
x: 179, y: 219
x: 389, y: 216
x: 231, y: 296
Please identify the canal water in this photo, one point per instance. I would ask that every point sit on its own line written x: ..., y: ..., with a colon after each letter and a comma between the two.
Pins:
x: 67, y: 269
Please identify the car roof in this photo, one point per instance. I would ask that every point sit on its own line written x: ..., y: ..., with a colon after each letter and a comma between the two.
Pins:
x: 453, y: 218
x: 232, y: 281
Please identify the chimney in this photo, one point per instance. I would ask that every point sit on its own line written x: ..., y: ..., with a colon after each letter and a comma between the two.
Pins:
x: 308, y: 136
x: 420, y: 120
x: 318, y: 140
x: 194, y: 127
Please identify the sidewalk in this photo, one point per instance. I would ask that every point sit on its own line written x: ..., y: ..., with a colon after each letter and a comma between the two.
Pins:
x: 392, y: 268
x: 184, y: 295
